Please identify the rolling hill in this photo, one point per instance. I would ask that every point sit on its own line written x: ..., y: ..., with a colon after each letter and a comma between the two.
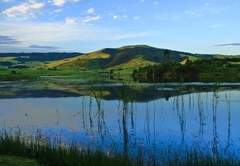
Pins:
x: 29, y: 60
x: 130, y: 57
x: 126, y: 57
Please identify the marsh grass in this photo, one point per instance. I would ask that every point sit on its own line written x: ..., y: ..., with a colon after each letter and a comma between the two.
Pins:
x: 196, y: 157
x: 17, y: 161
x: 46, y: 152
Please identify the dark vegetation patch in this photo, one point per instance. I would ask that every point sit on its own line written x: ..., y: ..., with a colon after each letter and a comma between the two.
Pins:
x: 189, y: 72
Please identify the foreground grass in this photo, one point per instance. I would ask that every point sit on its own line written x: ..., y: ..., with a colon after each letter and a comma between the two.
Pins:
x: 17, y: 161
x: 46, y: 153
x: 15, y: 150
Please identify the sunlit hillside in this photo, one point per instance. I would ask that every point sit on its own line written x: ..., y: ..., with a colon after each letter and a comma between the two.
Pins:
x: 123, y: 57
x: 132, y: 56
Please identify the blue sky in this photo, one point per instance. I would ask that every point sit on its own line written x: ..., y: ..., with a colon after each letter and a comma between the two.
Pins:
x: 202, y: 26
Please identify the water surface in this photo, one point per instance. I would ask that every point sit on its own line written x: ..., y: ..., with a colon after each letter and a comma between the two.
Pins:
x: 128, y: 118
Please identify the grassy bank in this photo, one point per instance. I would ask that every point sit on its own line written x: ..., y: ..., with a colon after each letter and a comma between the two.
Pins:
x: 17, y: 161
x: 41, y: 150
x: 16, y: 150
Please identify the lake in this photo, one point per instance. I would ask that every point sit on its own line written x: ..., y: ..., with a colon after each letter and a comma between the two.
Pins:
x: 131, y: 118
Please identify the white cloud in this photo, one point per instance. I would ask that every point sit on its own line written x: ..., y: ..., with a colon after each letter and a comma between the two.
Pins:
x: 24, y: 10
x: 89, y: 19
x: 62, y: 2
x: 44, y: 33
x: 115, y: 17
x: 136, y: 18
x: 49, y: 33
x: 90, y: 11
x: 70, y: 20
x: 59, y: 2
x: 60, y: 34
x: 120, y: 17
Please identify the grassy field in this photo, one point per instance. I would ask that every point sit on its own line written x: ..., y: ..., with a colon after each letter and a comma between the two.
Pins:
x: 35, y: 74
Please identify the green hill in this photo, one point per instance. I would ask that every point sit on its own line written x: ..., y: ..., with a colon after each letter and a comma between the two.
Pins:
x: 128, y: 57
x: 29, y: 60
x: 133, y: 56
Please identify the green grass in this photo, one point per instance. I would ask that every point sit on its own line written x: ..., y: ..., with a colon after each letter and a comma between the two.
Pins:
x: 34, y: 74
x: 32, y: 64
x: 17, y: 149
x: 17, y: 161
x: 14, y: 147
x: 134, y: 63
x: 9, y: 59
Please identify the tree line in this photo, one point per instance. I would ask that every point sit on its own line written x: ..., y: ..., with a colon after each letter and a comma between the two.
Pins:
x: 189, y: 71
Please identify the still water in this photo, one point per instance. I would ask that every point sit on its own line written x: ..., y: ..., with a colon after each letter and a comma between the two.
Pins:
x: 128, y: 118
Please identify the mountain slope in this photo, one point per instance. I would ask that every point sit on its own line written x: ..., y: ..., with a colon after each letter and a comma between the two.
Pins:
x: 133, y: 56
x: 9, y: 60
x: 124, y: 57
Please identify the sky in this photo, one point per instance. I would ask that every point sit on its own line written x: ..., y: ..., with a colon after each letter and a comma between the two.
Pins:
x: 202, y: 26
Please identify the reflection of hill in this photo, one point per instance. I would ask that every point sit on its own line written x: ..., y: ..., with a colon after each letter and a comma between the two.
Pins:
x: 36, y: 94
x: 136, y: 93
x: 141, y: 94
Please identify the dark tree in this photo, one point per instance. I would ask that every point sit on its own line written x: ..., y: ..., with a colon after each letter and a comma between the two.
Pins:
x: 166, y: 54
x: 13, y: 72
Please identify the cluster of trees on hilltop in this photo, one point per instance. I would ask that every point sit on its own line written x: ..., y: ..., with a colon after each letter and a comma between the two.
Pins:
x: 190, y: 71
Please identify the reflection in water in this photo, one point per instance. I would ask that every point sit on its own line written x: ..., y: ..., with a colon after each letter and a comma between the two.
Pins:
x: 58, y: 117
x: 200, y: 114
x: 229, y: 123
x: 183, y: 119
x: 215, y: 134
x: 125, y: 127
x: 181, y: 115
x: 147, y: 125
x: 90, y: 113
x: 150, y: 127
x: 83, y: 112
x: 190, y: 101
